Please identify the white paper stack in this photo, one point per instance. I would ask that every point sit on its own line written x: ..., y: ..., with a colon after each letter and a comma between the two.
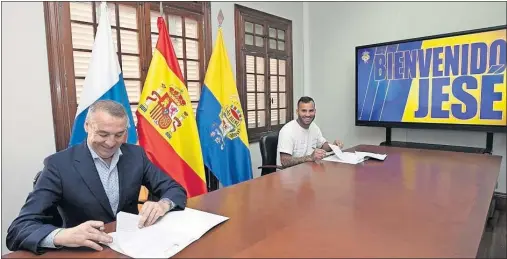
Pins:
x: 352, y: 158
x: 171, y: 234
x: 365, y: 155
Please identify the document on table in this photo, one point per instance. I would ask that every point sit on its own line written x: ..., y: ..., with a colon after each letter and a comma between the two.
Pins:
x: 381, y: 157
x: 336, y: 149
x: 351, y: 158
x: 171, y: 234
x: 345, y: 157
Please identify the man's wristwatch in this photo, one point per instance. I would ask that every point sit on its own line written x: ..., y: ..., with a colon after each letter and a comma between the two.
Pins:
x: 170, y: 203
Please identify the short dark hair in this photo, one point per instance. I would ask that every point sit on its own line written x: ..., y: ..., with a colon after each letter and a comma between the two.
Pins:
x: 305, y: 99
x: 111, y: 107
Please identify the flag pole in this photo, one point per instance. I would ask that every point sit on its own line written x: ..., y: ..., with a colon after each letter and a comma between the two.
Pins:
x: 161, y: 9
x: 211, y: 179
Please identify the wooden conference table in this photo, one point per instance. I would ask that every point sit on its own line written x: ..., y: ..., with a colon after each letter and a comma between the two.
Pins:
x: 417, y: 203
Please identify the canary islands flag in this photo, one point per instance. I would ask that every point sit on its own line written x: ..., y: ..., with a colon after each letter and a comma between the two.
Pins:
x: 221, y: 122
x: 166, y: 122
x: 104, y: 81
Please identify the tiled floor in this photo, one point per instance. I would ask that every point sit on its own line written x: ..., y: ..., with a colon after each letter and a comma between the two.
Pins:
x: 494, y: 239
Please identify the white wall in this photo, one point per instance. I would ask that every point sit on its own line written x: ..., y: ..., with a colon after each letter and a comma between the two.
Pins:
x: 27, y: 121
x: 336, y: 28
x: 289, y: 10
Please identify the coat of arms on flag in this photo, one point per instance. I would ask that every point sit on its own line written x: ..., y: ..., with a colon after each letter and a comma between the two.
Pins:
x: 162, y: 107
x: 230, y: 126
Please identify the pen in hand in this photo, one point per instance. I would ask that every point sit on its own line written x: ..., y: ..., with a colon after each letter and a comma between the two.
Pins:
x: 318, y: 154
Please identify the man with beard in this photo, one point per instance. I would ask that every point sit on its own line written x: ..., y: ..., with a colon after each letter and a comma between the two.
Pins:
x: 301, y: 140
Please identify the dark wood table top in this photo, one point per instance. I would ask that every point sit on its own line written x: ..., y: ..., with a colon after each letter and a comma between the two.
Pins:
x: 416, y: 203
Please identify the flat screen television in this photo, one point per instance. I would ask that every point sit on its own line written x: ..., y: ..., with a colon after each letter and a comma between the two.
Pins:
x: 449, y: 81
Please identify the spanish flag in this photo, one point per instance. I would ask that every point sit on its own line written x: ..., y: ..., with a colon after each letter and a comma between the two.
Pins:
x: 221, y: 121
x: 166, y: 124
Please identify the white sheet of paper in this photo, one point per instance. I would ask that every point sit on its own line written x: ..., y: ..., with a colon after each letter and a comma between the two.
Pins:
x: 153, y: 243
x: 171, y: 234
x: 336, y: 159
x: 351, y: 158
x: 336, y: 149
x: 345, y: 157
x: 191, y: 221
x: 127, y: 222
x: 115, y: 245
x: 374, y: 155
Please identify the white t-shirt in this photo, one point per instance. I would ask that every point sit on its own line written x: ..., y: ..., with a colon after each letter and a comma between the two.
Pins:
x: 298, y: 141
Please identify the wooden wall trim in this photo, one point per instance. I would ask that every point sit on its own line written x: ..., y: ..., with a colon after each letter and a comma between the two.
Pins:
x: 208, y: 48
x: 61, y: 74
x: 242, y: 14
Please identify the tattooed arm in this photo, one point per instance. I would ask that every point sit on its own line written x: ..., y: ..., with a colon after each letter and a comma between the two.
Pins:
x: 288, y: 160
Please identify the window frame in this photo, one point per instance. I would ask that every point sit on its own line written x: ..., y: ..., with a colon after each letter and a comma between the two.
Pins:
x: 199, y: 12
x: 116, y: 26
x: 61, y: 60
x: 243, y: 14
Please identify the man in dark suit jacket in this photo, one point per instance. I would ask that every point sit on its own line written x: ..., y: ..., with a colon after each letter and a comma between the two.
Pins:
x: 90, y: 183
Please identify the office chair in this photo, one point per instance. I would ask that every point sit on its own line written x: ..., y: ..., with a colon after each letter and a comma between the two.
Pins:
x: 53, y: 212
x: 268, y: 146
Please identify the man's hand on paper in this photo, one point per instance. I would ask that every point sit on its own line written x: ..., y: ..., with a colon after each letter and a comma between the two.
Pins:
x: 151, y: 211
x: 87, y: 234
x: 338, y: 143
x: 318, y: 154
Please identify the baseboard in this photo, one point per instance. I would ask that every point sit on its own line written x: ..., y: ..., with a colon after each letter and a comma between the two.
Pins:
x: 500, y: 200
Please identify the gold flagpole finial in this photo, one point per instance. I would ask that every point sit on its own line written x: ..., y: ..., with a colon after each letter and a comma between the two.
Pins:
x: 220, y: 18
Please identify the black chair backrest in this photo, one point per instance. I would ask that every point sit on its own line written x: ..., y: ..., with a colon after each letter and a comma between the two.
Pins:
x: 268, y: 146
x: 54, y: 212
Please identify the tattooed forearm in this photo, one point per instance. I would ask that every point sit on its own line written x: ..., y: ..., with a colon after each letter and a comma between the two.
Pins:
x: 288, y: 160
